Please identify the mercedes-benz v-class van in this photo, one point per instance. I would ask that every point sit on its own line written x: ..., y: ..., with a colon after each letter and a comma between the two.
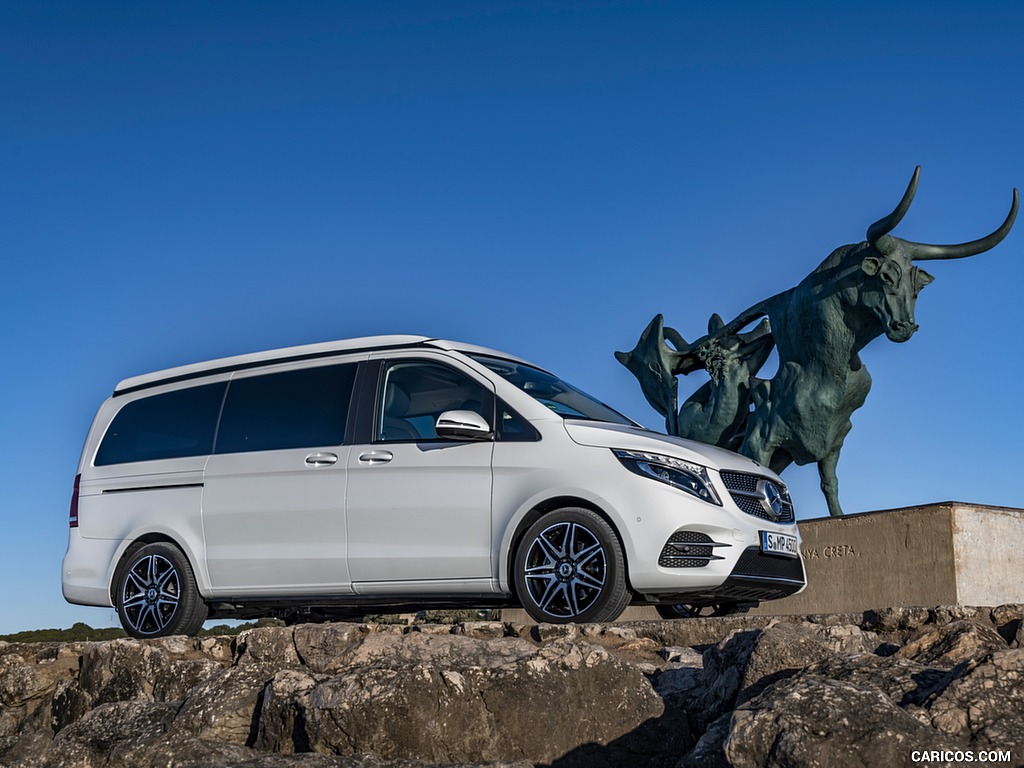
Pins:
x: 405, y: 472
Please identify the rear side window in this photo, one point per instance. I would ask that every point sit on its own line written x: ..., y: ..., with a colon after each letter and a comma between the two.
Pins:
x: 294, y: 409
x: 167, y: 426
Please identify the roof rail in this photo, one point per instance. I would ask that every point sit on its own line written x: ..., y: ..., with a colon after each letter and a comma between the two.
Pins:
x: 268, y: 357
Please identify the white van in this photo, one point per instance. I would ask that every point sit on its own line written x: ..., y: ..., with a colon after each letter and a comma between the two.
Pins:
x: 406, y: 472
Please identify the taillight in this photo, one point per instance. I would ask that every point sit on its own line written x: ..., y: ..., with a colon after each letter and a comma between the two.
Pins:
x: 73, y: 519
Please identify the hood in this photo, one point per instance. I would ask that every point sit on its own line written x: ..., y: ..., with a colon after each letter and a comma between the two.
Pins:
x: 599, y: 434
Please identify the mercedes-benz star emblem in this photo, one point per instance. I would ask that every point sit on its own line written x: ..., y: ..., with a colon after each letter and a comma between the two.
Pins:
x: 773, y: 496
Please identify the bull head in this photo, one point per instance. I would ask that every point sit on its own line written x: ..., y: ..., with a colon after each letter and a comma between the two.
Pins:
x: 901, y: 281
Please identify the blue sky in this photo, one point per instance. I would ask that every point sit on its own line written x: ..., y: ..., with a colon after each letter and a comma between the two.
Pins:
x: 186, y: 181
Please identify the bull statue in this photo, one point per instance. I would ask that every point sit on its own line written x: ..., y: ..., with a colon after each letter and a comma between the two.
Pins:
x: 802, y: 414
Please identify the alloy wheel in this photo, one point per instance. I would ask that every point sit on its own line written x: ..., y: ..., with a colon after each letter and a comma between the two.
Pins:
x: 151, y: 594
x: 565, y: 569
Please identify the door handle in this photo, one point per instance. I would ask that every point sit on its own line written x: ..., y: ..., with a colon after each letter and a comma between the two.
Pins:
x: 321, y: 459
x: 376, y: 457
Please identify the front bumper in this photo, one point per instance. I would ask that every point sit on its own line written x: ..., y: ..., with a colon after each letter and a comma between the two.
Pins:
x: 679, y: 545
x: 755, y: 577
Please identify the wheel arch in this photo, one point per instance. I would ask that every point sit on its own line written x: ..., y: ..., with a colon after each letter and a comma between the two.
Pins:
x: 138, y: 543
x: 550, y: 505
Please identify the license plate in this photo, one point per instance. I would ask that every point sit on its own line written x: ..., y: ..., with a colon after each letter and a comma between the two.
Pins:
x: 779, y: 544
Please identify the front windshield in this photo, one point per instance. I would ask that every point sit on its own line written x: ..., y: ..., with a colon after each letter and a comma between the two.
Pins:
x: 561, y: 397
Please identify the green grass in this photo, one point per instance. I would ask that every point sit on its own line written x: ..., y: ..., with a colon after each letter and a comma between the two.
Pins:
x: 83, y: 632
x: 78, y: 632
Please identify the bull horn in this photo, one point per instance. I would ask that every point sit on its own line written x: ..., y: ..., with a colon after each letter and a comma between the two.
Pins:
x: 922, y: 252
x: 878, y: 233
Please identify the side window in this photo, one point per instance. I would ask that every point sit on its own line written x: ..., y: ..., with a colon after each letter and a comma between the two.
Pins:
x: 513, y: 428
x: 414, y: 394
x: 293, y: 409
x: 167, y: 426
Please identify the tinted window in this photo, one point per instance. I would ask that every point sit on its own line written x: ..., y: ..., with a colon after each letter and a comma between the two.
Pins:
x: 294, y: 409
x: 166, y: 426
x: 560, y: 396
x: 416, y: 393
x: 513, y: 428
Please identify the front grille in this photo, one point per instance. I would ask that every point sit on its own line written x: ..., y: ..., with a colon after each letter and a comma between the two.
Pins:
x: 750, y: 505
x: 739, y: 481
x: 750, y: 499
x: 687, y: 549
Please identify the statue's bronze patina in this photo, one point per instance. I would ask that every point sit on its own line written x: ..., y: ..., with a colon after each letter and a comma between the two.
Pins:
x: 802, y: 414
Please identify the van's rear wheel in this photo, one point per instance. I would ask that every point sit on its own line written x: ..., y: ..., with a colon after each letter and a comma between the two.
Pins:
x: 570, y: 567
x: 157, y: 595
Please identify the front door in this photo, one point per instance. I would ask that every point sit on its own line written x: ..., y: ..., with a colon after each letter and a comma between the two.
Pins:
x: 419, y: 507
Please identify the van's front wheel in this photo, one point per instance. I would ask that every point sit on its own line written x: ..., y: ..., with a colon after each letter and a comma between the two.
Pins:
x: 157, y: 595
x: 570, y: 567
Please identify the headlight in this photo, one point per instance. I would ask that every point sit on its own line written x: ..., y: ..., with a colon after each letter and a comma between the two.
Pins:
x: 684, y: 475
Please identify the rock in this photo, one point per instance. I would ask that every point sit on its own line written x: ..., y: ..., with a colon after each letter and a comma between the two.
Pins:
x: 220, y: 649
x: 30, y: 676
x: 128, y: 670
x: 984, y: 703
x: 515, y: 629
x: 415, y: 649
x: 858, y: 709
x: 946, y: 614
x: 622, y: 634
x: 104, y: 734
x: 1009, y: 622
x: 545, y: 633
x: 708, y: 752
x: 153, y: 670
x: 747, y: 661
x: 697, y: 631
x: 430, y: 629
x: 522, y: 702
x: 481, y: 629
x: 223, y: 707
x: 952, y: 643
x: 838, y: 689
x: 679, y: 686
x: 28, y: 672
x: 814, y: 721
x: 281, y: 707
x: 1002, y: 614
x: 275, y: 645
x: 890, y: 620
x: 680, y: 655
x: 321, y: 647
x: 906, y: 682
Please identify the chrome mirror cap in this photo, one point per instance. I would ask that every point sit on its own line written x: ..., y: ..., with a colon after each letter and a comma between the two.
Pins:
x: 463, y: 425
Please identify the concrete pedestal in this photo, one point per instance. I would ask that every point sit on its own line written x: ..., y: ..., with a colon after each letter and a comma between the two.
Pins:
x: 937, y: 554
x: 948, y: 553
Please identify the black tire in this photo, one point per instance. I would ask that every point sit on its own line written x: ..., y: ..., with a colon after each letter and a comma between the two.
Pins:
x: 569, y: 567
x: 688, y: 611
x: 156, y: 593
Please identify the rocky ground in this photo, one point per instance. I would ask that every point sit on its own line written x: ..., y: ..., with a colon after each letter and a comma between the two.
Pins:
x: 837, y: 690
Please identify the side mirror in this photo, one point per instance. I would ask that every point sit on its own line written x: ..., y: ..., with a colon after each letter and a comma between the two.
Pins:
x: 463, y: 425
